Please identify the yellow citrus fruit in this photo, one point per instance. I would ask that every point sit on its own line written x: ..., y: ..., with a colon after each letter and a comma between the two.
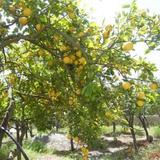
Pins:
x: 153, y: 86
x: 73, y: 57
x: 140, y: 95
x: 56, y: 37
x: 1, y: 3
x: 41, y: 53
x: 70, y: 8
x: 20, y: 5
x: 27, y: 12
x: 126, y: 86
x: 105, y: 34
x: 76, y: 62
x: 81, y: 34
x: 67, y: 60
x: 12, y: 79
x: 108, y: 28
x: 64, y: 48
x: 79, y: 54
x: 72, y: 29
x: 82, y: 61
x: 140, y: 103
x: 127, y: 46
x: 71, y: 15
x: 12, y: 8
x: 51, y: 93
x: 39, y: 27
x: 23, y: 20
x: 85, y: 151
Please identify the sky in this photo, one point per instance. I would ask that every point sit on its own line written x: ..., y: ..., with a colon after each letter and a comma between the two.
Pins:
x: 99, y: 10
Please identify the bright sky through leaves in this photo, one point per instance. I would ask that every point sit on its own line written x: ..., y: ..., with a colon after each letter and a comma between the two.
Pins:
x: 105, y: 9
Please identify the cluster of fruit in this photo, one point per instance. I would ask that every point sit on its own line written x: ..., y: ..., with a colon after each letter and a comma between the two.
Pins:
x: 107, y: 31
x: 72, y: 101
x: 85, y: 153
x: 26, y: 14
x: 76, y: 59
x: 53, y: 95
x: 140, y: 95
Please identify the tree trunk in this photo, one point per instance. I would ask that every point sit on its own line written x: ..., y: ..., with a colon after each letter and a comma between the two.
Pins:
x: 26, y: 134
x: 72, y: 144
x: 6, y: 119
x: 114, y: 128
x: 18, y: 145
x: 114, y: 131
x: 18, y: 140
x: 141, y: 118
x: 57, y: 126
x: 134, y: 139
x: 131, y: 121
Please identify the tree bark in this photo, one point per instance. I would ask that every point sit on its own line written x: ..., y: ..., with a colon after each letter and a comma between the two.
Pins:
x: 149, y: 138
x: 72, y: 144
x: 131, y: 121
x: 6, y: 119
x: 18, y: 140
x: 18, y: 145
x: 134, y: 139
x: 114, y: 131
x: 141, y: 118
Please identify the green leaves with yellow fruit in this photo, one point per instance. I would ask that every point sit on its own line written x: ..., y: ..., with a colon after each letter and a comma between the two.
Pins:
x: 91, y: 91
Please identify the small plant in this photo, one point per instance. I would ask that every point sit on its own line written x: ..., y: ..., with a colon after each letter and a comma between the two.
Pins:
x: 36, y: 146
x: 156, y: 132
x: 4, y: 151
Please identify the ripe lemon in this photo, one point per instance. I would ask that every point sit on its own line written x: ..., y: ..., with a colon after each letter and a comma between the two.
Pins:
x: 20, y: 5
x: 108, y: 28
x: 71, y: 15
x: 23, y: 20
x: 1, y: 3
x: 64, y: 48
x: 73, y: 57
x: 81, y: 34
x: 67, y: 60
x: 51, y: 93
x: 79, y: 54
x: 12, y: 8
x: 126, y: 86
x: 12, y: 79
x: 72, y: 29
x: 76, y: 62
x: 153, y: 86
x: 127, y: 46
x: 85, y: 151
x: 140, y: 95
x: 27, y: 12
x: 140, y: 103
x: 39, y: 27
x: 82, y: 61
x: 56, y: 37
x: 105, y: 34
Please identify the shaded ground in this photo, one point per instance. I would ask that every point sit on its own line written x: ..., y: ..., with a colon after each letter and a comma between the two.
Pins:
x: 62, y: 145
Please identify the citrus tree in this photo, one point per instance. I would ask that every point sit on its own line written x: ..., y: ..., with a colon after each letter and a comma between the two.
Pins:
x: 56, y: 64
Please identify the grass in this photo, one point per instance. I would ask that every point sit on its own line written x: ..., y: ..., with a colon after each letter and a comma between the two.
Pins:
x: 4, y: 151
x: 145, y: 153
x: 36, y: 146
x: 119, y: 129
x: 155, y: 131
x: 36, y: 150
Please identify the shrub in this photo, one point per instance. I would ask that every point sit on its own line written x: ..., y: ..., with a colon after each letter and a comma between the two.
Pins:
x: 36, y: 146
